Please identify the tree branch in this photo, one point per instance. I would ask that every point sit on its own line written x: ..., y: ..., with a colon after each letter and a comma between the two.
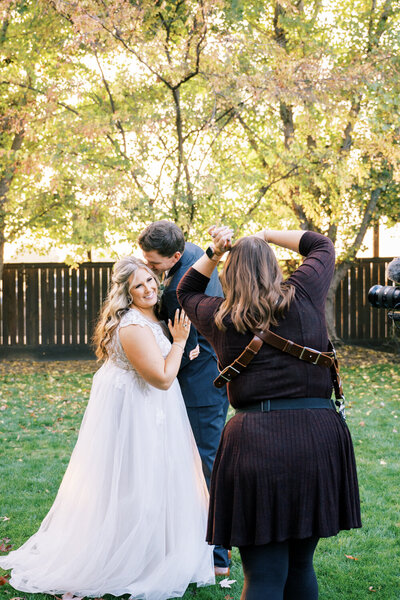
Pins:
x: 33, y: 89
x: 112, y: 103
x: 264, y: 189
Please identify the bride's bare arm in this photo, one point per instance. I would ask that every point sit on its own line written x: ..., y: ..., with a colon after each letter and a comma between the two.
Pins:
x: 144, y: 354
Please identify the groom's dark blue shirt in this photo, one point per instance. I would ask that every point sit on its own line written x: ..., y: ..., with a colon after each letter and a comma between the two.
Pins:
x: 195, y: 376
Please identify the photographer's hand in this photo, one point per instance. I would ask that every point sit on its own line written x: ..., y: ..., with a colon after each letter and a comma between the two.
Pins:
x: 221, y: 239
x: 221, y: 242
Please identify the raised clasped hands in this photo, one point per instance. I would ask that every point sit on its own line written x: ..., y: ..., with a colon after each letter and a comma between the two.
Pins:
x: 221, y: 238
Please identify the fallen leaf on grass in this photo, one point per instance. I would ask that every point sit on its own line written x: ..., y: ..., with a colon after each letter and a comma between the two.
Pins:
x: 4, y: 545
x: 351, y: 557
x: 371, y: 589
x: 226, y: 583
x: 4, y: 518
x: 4, y: 580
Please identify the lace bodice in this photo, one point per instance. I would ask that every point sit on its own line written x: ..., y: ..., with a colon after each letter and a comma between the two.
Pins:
x: 134, y: 317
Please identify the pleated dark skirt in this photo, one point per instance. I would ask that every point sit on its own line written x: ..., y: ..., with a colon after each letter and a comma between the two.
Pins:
x: 281, y: 475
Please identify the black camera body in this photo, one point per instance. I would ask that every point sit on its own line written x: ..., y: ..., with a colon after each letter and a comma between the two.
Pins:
x: 384, y: 296
x: 388, y: 296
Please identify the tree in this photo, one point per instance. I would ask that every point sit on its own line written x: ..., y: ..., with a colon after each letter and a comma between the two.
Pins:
x: 34, y: 79
x: 263, y: 113
x: 321, y: 118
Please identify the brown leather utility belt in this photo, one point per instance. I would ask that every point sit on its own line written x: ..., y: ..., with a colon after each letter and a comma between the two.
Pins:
x: 310, y: 355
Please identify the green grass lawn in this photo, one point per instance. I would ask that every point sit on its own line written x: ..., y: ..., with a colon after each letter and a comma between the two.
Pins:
x: 41, y: 405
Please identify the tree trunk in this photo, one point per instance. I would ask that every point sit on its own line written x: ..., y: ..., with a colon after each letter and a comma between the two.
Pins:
x: 330, y: 313
x: 342, y: 267
x: 1, y: 255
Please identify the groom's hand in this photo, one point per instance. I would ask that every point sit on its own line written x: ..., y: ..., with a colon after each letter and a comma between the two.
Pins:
x: 194, y: 353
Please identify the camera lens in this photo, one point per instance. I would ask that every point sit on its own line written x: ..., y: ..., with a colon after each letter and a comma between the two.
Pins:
x: 384, y: 296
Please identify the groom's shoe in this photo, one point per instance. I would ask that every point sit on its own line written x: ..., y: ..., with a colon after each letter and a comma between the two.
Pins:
x: 221, y: 571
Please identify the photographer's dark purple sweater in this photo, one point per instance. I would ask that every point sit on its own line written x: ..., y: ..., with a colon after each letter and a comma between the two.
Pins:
x: 284, y: 474
x: 272, y: 373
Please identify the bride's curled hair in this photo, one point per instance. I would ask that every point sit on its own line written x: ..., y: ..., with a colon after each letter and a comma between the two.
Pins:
x: 117, y: 303
x: 255, y: 294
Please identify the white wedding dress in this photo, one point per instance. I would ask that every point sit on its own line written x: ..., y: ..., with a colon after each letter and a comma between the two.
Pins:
x: 130, y: 514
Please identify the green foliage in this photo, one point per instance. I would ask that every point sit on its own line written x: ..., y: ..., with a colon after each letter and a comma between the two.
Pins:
x: 257, y: 113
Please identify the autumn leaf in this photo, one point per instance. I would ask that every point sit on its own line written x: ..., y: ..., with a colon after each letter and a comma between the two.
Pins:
x: 4, y: 580
x: 226, y: 583
x: 4, y: 545
x: 351, y: 557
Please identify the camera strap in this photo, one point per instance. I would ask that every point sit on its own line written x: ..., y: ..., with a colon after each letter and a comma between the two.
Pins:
x: 310, y: 355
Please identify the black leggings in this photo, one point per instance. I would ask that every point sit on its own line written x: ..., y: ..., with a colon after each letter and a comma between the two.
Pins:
x: 280, y: 571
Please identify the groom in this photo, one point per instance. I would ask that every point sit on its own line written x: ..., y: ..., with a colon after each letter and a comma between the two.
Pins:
x: 164, y: 248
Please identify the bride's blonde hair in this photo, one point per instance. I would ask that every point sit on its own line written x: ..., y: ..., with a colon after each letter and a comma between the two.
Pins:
x: 117, y: 303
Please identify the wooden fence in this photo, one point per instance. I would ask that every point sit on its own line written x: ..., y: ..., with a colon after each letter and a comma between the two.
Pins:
x: 49, y: 308
x: 356, y: 320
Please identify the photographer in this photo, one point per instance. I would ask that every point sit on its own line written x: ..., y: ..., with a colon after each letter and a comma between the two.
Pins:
x: 285, y: 473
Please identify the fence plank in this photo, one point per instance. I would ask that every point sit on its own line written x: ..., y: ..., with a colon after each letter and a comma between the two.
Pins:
x: 59, y: 307
x: 74, y: 308
x: 32, y: 306
x: 9, y: 313
x: 67, y: 307
x: 82, y: 305
x: 21, y: 304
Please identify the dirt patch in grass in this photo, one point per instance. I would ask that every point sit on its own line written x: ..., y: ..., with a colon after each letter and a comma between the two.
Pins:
x: 348, y: 355
x: 353, y: 356
x: 28, y: 366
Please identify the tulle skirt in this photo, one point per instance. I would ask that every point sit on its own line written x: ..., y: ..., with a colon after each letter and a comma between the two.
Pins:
x: 130, y: 514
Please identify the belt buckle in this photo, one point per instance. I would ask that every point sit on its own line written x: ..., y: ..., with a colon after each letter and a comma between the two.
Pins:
x: 226, y: 374
x: 267, y: 403
x: 314, y: 362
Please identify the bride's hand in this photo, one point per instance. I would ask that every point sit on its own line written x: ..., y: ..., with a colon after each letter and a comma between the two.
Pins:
x: 180, y: 328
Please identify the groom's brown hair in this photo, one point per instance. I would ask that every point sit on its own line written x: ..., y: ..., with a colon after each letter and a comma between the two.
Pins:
x: 164, y: 237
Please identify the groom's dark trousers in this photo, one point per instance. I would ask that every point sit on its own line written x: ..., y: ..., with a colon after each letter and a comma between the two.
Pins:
x: 206, y: 405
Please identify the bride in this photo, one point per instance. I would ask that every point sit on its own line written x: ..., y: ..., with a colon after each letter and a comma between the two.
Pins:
x: 130, y: 514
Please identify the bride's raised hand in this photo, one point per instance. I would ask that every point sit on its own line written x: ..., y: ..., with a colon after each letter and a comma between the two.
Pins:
x: 180, y: 328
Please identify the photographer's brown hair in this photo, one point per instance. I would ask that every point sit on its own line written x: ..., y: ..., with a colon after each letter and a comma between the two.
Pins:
x: 255, y: 294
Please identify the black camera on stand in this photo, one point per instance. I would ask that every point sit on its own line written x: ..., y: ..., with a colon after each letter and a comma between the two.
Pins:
x: 388, y: 296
